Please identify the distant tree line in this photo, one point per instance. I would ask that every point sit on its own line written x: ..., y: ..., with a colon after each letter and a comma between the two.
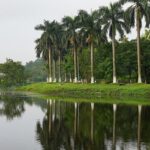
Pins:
x: 13, y: 73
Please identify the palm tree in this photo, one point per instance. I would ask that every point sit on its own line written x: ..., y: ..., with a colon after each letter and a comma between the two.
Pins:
x: 42, y: 50
x: 90, y: 25
x: 47, y: 29
x: 137, y: 10
x: 113, y: 23
x: 59, y: 42
x: 81, y: 44
x: 70, y: 26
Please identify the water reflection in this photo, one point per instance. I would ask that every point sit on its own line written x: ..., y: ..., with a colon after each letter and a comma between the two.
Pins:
x: 92, y: 121
x: 114, y: 127
x: 72, y: 129
x: 83, y: 126
x: 12, y: 109
x: 139, y: 127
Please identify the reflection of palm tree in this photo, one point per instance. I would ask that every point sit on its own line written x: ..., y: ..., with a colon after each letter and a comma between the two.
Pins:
x: 75, y: 118
x: 78, y: 117
x: 49, y: 115
x: 114, y: 126
x: 139, y: 127
x: 92, y: 121
x: 59, y: 135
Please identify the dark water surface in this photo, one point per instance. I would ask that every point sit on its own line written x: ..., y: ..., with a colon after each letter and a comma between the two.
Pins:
x: 28, y: 123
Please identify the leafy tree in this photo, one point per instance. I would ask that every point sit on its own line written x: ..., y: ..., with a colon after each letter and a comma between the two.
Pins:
x: 13, y: 73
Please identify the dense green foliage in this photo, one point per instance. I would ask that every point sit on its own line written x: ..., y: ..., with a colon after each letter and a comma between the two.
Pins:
x: 12, y: 73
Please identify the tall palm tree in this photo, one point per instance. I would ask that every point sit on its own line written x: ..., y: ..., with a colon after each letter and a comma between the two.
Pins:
x: 47, y: 29
x: 113, y: 23
x: 136, y: 11
x: 90, y: 24
x: 59, y: 42
x: 42, y: 50
x: 70, y: 26
x: 81, y: 43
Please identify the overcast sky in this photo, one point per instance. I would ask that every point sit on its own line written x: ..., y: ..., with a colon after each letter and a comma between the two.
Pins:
x: 19, y: 17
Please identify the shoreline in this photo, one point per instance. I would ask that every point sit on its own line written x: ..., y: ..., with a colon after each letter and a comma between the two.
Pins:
x: 92, y: 92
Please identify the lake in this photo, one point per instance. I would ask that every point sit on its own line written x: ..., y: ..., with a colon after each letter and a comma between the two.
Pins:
x: 32, y: 123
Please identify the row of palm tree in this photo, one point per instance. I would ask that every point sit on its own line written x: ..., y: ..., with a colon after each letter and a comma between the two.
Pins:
x: 91, y: 29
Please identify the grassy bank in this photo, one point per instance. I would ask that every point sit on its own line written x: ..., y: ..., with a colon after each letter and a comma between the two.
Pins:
x: 89, y: 91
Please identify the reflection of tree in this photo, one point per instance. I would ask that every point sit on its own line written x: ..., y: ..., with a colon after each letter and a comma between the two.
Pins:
x: 91, y: 127
x: 92, y: 121
x: 12, y: 105
x: 114, y: 126
x: 58, y: 136
x: 139, y: 127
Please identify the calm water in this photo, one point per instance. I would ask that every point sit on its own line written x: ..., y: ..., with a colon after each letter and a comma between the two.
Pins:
x: 28, y: 123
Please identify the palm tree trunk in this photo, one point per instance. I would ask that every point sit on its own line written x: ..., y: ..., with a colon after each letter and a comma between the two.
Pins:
x: 70, y: 77
x: 59, y: 80
x: 65, y: 76
x: 78, y: 66
x: 114, y: 60
x: 138, y: 45
x: 75, y: 64
x: 54, y: 71
x: 50, y: 65
x: 92, y: 76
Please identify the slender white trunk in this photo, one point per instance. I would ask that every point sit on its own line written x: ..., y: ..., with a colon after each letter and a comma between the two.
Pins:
x: 49, y: 65
x: 75, y: 65
x: 78, y: 66
x: 59, y: 80
x: 114, y: 60
x: 54, y: 71
x: 92, y: 74
x: 138, y: 45
x: 65, y: 77
x: 70, y: 78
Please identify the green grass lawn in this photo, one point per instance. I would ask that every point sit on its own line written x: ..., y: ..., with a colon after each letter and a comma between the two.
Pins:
x: 93, y: 92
